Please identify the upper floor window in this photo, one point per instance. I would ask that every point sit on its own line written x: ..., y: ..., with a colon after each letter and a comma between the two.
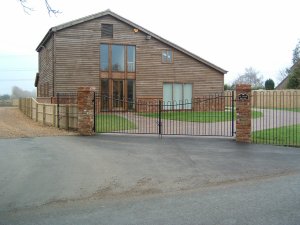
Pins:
x: 104, y: 57
x: 131, y: 58
x: 117, y: 58
x: 107, y: 30
x: 167, y: 56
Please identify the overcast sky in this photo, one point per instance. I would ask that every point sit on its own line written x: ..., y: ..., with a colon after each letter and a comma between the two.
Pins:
x: 232, y: 34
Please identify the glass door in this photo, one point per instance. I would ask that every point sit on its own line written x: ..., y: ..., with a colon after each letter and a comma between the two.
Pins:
x: 104, y: 95
x: 118, y: 97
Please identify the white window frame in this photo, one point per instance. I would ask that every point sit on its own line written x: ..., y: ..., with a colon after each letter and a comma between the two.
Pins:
x: 167, y: 56
x: 177, y: 95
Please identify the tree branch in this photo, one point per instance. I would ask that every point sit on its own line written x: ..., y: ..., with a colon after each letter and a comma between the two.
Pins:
x: 25, y: 7
x: 50, y: 9
x: 28, y: 9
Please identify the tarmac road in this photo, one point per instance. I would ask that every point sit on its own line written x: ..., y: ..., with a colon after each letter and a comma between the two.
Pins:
x: 65, y: 180
x: 273, y: 201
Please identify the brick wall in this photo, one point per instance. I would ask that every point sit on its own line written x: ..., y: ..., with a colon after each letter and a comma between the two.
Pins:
x: 243, y: 111
x: 85, y: 105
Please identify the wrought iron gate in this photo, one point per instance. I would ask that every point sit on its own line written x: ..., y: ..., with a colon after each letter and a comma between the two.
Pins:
x: 204, y: 116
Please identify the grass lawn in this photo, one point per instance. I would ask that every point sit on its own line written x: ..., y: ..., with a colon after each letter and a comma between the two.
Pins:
x: 204, y: 117
x: 111, y: 123
x: 288, y: 135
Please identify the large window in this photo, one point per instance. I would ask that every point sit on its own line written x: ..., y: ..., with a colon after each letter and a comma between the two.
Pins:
x: 112, y: 58
x: 104, y: 57
x: 177, y: 96
x: 131, y: 58
x: 117, y: 58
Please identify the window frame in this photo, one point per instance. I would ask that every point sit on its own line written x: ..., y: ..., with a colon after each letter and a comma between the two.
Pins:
x: 124, y: 57
x: 109, y: 59
x: 166, y: 61
x: 101, y: 57
x: 127, y: 59
x: 105, y: 32
x: 182, y: 100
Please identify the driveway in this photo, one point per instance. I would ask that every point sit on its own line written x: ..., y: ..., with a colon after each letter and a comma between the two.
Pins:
x: 148, y: 125
x: 275, y: 118
x: 35, y: 172
x: 270, y: 119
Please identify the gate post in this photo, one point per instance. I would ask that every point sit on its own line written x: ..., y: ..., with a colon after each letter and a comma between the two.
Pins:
x: 243, y: 112
x: 85, y: 103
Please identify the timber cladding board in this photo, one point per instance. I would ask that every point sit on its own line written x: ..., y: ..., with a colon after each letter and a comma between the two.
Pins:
x: 77, y: 60
x: 150, y: 79
x: 46, y: 69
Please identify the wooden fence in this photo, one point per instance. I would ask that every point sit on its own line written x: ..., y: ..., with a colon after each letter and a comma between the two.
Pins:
x: 287, y: 99
x: 47, y: 114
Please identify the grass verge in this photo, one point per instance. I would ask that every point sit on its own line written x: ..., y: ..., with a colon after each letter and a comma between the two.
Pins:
x: 287, y: 135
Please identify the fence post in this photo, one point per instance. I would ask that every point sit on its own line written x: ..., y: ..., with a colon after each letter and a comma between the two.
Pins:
x: 243, y: 111
x: 94, y: 128
x: 37, y: 112
x: 44, y: 114
x: 26, y: 107
x: 232, y: 113
x: 31, y: 108
x: 159, y: 117
x: 57, y: 107
x: 67, y: 117
x: 85, y: 110
x: 54, y: 116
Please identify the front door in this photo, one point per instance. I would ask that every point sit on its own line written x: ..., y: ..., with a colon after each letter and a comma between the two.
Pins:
x: 118, y: 97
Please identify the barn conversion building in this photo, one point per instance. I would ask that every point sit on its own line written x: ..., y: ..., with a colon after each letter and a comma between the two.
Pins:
x: 123, y: 61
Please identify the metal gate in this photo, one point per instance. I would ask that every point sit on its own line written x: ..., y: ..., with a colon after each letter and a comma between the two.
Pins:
x: 278, y: 122
x: 203, y: 116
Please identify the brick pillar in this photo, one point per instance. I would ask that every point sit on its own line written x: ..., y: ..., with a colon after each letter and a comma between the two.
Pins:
x: 243, y: 111
x: 85, y: 103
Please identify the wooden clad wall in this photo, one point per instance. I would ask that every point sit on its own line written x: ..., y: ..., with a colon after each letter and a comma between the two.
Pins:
x: 77, y: 61
x: 46, y: 69
x: 77, y: 58
x: 152, y: 73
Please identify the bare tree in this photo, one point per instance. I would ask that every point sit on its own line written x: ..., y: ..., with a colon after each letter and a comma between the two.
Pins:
x: 20, y: 93
x: 27, y: 9
x: 250, y: 76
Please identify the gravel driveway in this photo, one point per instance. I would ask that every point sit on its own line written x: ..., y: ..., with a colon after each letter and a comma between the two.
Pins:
x: 14, y: 124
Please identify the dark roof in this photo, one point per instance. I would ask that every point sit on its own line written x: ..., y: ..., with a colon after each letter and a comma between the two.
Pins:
x: 108, y: 12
